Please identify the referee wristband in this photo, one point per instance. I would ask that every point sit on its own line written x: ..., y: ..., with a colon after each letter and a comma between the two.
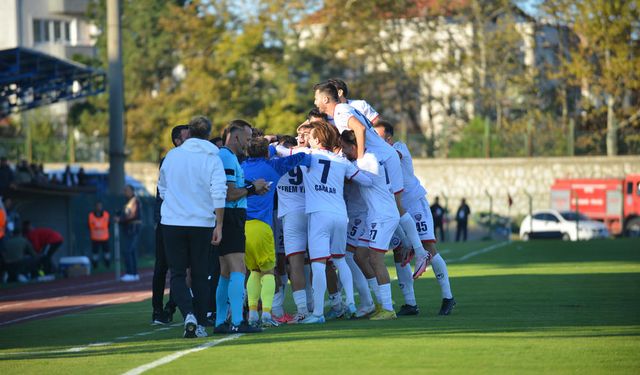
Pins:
x: 251, y: 189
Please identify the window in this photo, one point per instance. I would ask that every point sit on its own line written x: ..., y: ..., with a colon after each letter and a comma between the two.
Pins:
x: 539, y: 217
x: 638, y: 190
x: 47, y: 33
x: 57, y: 31
x: 37, y: 31
x: 67, y: 32
x: 629, y: 188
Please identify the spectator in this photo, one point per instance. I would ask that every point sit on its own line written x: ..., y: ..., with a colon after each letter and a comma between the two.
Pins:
x: 99, y: 233
x: 131, y: 222
x: 13, y: 217
x: 6, y: 175
x: 438, y: 218
x: 3, y: 227
x: 23, y: 173
x: 69, y: 178
x: 45, y: 242
x: 462, y: 217
x: 82, y: 177
x: 20, y: 260
x: 39, y: 176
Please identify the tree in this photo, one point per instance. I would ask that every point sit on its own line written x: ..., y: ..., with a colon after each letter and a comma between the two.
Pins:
x: 605, y: 62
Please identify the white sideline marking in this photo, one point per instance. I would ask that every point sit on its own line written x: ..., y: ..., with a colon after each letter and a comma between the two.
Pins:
x: 176, y: 355
x: 81, y: 348
x: 478, y: 252
x: 62, y: 310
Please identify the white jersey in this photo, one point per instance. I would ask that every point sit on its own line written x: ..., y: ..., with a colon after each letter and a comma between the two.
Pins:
x: 356, y: 206
x: 413, y: 191
x: 324, y: 182
x: 373, y: 142
x: 364, y: 108
x: 290, y: 186
x: 379, y: 200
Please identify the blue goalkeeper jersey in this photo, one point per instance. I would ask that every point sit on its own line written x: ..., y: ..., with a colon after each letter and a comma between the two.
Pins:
x: 260, y: 207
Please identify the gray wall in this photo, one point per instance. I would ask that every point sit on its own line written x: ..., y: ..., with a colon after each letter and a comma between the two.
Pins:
x: 470, y: 178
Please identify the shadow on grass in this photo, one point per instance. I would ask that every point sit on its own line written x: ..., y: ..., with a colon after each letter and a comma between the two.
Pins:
x: 509, y: 306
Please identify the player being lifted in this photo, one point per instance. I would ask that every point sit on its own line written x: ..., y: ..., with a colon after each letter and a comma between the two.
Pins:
x: 346, y: 117
x: 414, y: 199
x: 327, y: 215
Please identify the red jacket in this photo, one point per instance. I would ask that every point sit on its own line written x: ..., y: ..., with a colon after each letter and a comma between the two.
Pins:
x: 39, y: 237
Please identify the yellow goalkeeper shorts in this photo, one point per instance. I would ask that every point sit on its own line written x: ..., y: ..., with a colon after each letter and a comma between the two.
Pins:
x: 260, y: 253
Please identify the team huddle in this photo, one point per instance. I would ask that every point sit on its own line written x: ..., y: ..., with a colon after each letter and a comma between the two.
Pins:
x: 318, y: 212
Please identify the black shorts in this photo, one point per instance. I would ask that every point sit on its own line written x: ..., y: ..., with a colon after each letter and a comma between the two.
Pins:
x: 233, y: 238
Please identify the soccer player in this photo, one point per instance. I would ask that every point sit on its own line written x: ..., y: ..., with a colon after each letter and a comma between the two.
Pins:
x: 291, y: 210
x: 415, y: 201
x: 346, y: 117
x: 327, y: 215
x: 361, y: 105
x: 260, y: 256
x: 232, y: 247
x: 382, y: 220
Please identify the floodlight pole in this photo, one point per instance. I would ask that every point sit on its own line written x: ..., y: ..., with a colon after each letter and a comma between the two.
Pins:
x: 116, y: 101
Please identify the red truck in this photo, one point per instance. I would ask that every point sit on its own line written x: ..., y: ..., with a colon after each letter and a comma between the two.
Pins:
x: 614, y: 201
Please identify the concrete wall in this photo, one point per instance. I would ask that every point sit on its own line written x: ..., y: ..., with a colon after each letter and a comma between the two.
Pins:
x: 470, y: 178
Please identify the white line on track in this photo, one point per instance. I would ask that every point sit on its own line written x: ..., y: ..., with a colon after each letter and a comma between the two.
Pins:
x: 478, y: 252
x: 85, y: 347
x: 63, y: 310
x: 176, y: 355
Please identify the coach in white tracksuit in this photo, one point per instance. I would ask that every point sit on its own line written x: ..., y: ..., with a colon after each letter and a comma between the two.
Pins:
x: 193, y: 187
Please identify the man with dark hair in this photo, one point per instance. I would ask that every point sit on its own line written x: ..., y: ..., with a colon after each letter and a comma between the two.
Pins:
x: 361, y: 105
x: 346, y: 117
x: 217, y: 141
x: 315, y: 115
x: 163, y: 315
x: 45, y: 241
x: 231, y: 250
x: 260, y: 256
x: 462, y: 219
x: 192, y: 186
x: 415, y: 200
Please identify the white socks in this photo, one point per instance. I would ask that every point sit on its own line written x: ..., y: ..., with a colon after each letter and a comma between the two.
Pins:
x: 346, y: 279
x: 373, y: 285
x: 405, y: 282
x: 300, y: 299
x: 442, y: 275
x: 278, y: 300
x: 319, y: 287
x: 360, y: 281
x: 385, y: 296
x: 409, y: 228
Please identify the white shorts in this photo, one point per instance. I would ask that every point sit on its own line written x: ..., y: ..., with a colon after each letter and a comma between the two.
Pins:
x: 294, y: 230
x: 327, y: 235
x: 357, y: 235
x: 381, y: 233
x: 278, y: 236
x: 393, y: 169
x: 421, y: 214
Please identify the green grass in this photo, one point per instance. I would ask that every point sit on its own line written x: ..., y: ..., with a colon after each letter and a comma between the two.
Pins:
x: 552, y: 307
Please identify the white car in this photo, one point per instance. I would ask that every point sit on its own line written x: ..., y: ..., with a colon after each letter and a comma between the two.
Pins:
x: 554, y: 224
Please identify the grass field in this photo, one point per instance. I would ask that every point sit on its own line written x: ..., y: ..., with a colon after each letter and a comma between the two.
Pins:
x: 552, y: 307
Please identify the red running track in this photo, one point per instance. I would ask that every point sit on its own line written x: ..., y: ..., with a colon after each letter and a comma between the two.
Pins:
x: 59, y: 297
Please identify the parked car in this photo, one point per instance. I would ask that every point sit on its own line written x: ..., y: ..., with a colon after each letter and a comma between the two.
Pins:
x: 567, y: 225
